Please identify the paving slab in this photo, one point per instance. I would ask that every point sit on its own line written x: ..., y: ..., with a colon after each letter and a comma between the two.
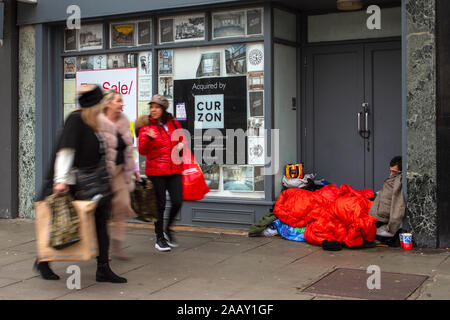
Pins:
x: 196, y: 288
x: 437, y: 288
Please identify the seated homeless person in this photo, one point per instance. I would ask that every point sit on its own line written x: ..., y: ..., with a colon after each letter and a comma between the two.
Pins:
x: 389, y: 205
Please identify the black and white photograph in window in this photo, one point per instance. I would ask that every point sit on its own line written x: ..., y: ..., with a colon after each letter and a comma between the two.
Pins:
x: 228, y: 24
x: 166, y: 87
x: 255, y: 57
x: 165, y: 62
x: 254, y: 22
x: 235, y: 59
x: 91, y: 36
x: 145, y: 63
x: 255, y: 127
x: 238, y: 178
x: 211, y: 173
x: 165, y: 30
x: 98, y: 61
x: 144, y: 32
x: 209, y: 65
x: 256, y: 103
x: 70, y: 40
x: 190, y: 28
x: 256, y: 150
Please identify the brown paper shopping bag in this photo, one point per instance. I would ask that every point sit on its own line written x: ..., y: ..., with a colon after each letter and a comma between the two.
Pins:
x: 85, y: 249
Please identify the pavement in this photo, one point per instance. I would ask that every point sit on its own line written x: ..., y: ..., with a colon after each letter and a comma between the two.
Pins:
x: 210, y: 265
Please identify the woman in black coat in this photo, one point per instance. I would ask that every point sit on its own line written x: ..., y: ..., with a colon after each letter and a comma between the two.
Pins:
x: 80, y: 145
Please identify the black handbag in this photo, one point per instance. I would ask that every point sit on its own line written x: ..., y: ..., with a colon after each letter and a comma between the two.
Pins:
x: 93, y: 181
x: 143, y: 200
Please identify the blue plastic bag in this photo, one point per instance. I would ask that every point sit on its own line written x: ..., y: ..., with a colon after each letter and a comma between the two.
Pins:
x: 288, y: 232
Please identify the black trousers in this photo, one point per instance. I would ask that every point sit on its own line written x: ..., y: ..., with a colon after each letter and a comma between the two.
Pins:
x: 102, y: 214
x: 172, y: 184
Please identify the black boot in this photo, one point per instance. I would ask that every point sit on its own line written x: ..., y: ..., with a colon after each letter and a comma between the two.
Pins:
x: 45, y: 271
x: 105, y: 274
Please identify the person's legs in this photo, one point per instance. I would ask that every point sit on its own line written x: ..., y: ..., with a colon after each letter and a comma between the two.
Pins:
x: 175, y: 188
x: 104, y: 272
x: 160, y: 185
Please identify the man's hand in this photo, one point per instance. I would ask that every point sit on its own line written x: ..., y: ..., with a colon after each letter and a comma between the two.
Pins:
x: 60, y: 187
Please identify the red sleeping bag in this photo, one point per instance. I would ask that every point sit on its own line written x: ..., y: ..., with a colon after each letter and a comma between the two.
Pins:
x: 330, y: 214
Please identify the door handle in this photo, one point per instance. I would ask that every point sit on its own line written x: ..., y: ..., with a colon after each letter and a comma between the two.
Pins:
x: 359, y: 122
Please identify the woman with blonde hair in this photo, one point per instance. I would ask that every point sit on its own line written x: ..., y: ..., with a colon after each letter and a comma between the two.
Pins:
x: 114, y: 126
x: 81, y: 146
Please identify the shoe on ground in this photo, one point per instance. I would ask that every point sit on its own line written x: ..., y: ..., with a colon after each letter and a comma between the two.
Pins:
x: 45, y: 271
x: 384, y: 233
x: 105, y: 274
x: 170, y: 239
x: 162, y: 245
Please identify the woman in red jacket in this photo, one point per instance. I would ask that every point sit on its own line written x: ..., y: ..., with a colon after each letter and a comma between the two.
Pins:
x: 161, y: 143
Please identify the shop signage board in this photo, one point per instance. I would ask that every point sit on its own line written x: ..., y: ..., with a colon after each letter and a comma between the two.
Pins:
x: 218, y: 103
x: 122, y: 80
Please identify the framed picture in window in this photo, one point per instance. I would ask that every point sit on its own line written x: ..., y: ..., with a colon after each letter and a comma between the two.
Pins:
x: 211, y: 173
x: 256, y: 103
x: 122, y: 34
x: 165, y: 30
x: 209, y: 65
x: 116, y: 61
x: 91, y: 37
x: 228, y: 24
x: 189, y: 28
x: 235, y: 59
x: 165, y: 62
x: 254, y: 22
x: 70, y: 40
x: 238, y: 178
x: 144, y: 32
x: 166, y: 87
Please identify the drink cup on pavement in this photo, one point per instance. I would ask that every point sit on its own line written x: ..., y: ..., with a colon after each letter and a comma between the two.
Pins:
x: 401, y: 239
x: 407, y: 241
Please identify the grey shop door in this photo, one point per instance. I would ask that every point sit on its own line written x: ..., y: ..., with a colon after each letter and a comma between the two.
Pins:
x: 347, y: 85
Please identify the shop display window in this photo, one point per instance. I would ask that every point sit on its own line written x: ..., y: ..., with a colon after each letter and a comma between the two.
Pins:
x: 211, y: 91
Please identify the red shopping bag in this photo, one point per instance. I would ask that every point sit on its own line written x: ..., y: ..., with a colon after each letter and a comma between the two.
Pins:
x: 194, y: 184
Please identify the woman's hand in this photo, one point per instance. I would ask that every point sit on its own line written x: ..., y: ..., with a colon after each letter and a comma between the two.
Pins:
x: 138, y: 176
x: 60, y: 187
x: 151, y: 133
x: 179, y: 146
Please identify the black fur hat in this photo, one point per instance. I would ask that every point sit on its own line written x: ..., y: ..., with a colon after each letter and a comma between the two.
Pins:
x: 91, y: 98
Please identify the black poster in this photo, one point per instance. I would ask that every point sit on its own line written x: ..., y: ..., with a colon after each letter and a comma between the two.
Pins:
x: 212, y: 103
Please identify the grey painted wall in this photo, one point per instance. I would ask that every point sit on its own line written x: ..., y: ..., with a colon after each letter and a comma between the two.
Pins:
x: 8, y: 121
x: 52, y: 10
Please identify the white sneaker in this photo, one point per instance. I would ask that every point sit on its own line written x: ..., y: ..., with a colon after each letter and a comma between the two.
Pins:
x: 162, y: 245
x: 384, y: 233
x: 170, y: 240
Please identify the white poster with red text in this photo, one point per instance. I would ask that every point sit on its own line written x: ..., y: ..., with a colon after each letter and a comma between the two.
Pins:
x: 122, y: 80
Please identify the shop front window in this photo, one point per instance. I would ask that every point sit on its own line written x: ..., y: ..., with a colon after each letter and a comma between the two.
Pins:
x: 217, y: 95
